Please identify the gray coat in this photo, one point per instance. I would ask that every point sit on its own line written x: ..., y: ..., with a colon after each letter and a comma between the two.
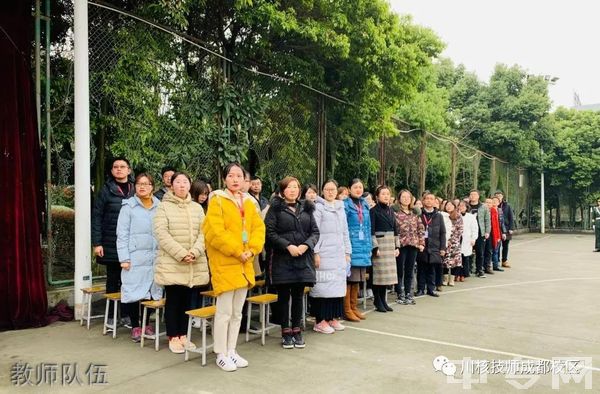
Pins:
x: 483, y: 220
x: 333, y: 246
x: 136, y: 244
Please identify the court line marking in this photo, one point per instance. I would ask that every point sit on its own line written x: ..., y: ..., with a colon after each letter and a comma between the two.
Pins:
x: 516, y: 284
x: 452, y: 344
x: 528, y: 241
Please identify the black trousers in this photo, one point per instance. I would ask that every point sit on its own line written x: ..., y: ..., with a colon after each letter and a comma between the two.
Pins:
x: 133, y: 311
x: 405, y: 268
x: 487, y: 257
x: 479, y: 253
x: 426, y: 276
x: 286, y: 293
x: 439, y: 274
x: 466, y: 265
x: 505, y: 250
x: 176, y: 304
x: 113, y: 285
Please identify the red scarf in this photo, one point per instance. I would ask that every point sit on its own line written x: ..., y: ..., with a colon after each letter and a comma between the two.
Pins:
x: 496, y: 236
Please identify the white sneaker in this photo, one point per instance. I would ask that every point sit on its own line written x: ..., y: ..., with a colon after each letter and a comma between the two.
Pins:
x: 186, y: 344
x: 370, y: 293
x: 336, y: 325
x: 226, y: 363
x: 196, y: 322
x: 238, y: 360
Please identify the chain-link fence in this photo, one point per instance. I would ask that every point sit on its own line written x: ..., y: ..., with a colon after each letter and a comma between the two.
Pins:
x: 160, y: 98
x: 451, y: 170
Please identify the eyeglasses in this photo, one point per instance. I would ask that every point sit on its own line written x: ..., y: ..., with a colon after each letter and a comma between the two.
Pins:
x: 144, y: 184
x: 330, y: 190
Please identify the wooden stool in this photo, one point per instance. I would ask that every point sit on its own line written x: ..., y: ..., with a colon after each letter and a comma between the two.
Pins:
x: 259, y: 285
x: 115, y: 298
x: 263, y: 301
x: 157, y: 306
x: 209, y: 294
x: 88, y: 293
x: 204, y: 314
x: 364, y: 297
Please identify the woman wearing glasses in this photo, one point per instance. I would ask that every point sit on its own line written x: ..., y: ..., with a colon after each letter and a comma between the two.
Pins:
x: 136, y: 248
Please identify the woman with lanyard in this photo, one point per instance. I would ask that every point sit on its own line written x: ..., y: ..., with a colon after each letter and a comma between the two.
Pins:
x: 359, y: 228
x: 386, y: 247
x: 234, y: 233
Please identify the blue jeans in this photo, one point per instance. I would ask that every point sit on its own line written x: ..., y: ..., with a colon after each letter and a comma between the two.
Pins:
x: 496, y: 255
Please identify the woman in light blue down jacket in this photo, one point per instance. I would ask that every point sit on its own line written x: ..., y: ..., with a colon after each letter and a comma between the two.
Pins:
x: 136, y: 248
x: 359, y: 228
x: 332, y: 260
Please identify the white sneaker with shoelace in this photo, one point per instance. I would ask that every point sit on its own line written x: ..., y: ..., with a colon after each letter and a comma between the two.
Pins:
x: 226, y: 363
x: 238, y: 360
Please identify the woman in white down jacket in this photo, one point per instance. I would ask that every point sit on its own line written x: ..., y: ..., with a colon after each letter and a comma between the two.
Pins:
x: 332, y: 260
x: 469, y: 236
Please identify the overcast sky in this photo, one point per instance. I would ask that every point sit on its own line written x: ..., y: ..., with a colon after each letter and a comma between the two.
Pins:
x: 552, y: 37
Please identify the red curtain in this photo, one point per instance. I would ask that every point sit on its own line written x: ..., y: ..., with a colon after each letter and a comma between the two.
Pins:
x: 23, y: 299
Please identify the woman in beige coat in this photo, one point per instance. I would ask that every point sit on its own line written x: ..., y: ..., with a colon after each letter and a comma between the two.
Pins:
x: 181, y: 261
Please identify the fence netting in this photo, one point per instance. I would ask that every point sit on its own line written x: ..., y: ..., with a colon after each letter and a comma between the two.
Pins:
x: 160, y: 98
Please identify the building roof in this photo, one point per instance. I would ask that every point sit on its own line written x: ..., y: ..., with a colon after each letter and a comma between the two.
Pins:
x: 588, y: 107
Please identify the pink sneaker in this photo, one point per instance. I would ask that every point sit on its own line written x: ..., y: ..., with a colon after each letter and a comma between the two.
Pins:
x: 323, y: 328
x: 136, y: 334
x: 336, y: 325
x: 149, y: 331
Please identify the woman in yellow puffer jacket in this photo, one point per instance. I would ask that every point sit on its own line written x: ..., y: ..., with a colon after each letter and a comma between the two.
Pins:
x: 181, y: 261
x: 234, y: 233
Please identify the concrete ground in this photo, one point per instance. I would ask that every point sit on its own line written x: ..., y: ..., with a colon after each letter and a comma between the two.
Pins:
x: 545, y: 306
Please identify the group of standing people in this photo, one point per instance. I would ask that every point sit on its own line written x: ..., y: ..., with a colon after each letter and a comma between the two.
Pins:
x: 330, y: 239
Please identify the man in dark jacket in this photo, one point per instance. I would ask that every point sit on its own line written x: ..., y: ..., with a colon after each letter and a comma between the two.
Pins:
x: 166, y: 173
x: 509, y: 224
x: 256, y: 190
x: 105, y: 215
x: 435, y: 247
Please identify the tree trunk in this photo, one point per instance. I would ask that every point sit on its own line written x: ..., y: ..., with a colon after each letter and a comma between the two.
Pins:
x: 558, y: 210
x: 422, y: 163
x: 382, y: 164
x: 100, y: 153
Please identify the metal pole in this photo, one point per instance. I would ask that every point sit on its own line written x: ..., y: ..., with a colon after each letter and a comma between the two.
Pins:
x: 542, y: 200
x: 83, y: 243
x: 38, y: 72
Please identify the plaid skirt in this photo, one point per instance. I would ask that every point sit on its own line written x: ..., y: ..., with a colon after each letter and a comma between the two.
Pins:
x: 384, y: 265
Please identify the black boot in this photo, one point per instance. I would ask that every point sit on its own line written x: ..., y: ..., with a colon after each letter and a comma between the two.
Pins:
x: 384, y: 299
x: 378, y: 302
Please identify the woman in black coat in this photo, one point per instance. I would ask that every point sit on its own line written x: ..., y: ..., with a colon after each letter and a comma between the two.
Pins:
x: 292, y: 234
x: 435, y: 247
